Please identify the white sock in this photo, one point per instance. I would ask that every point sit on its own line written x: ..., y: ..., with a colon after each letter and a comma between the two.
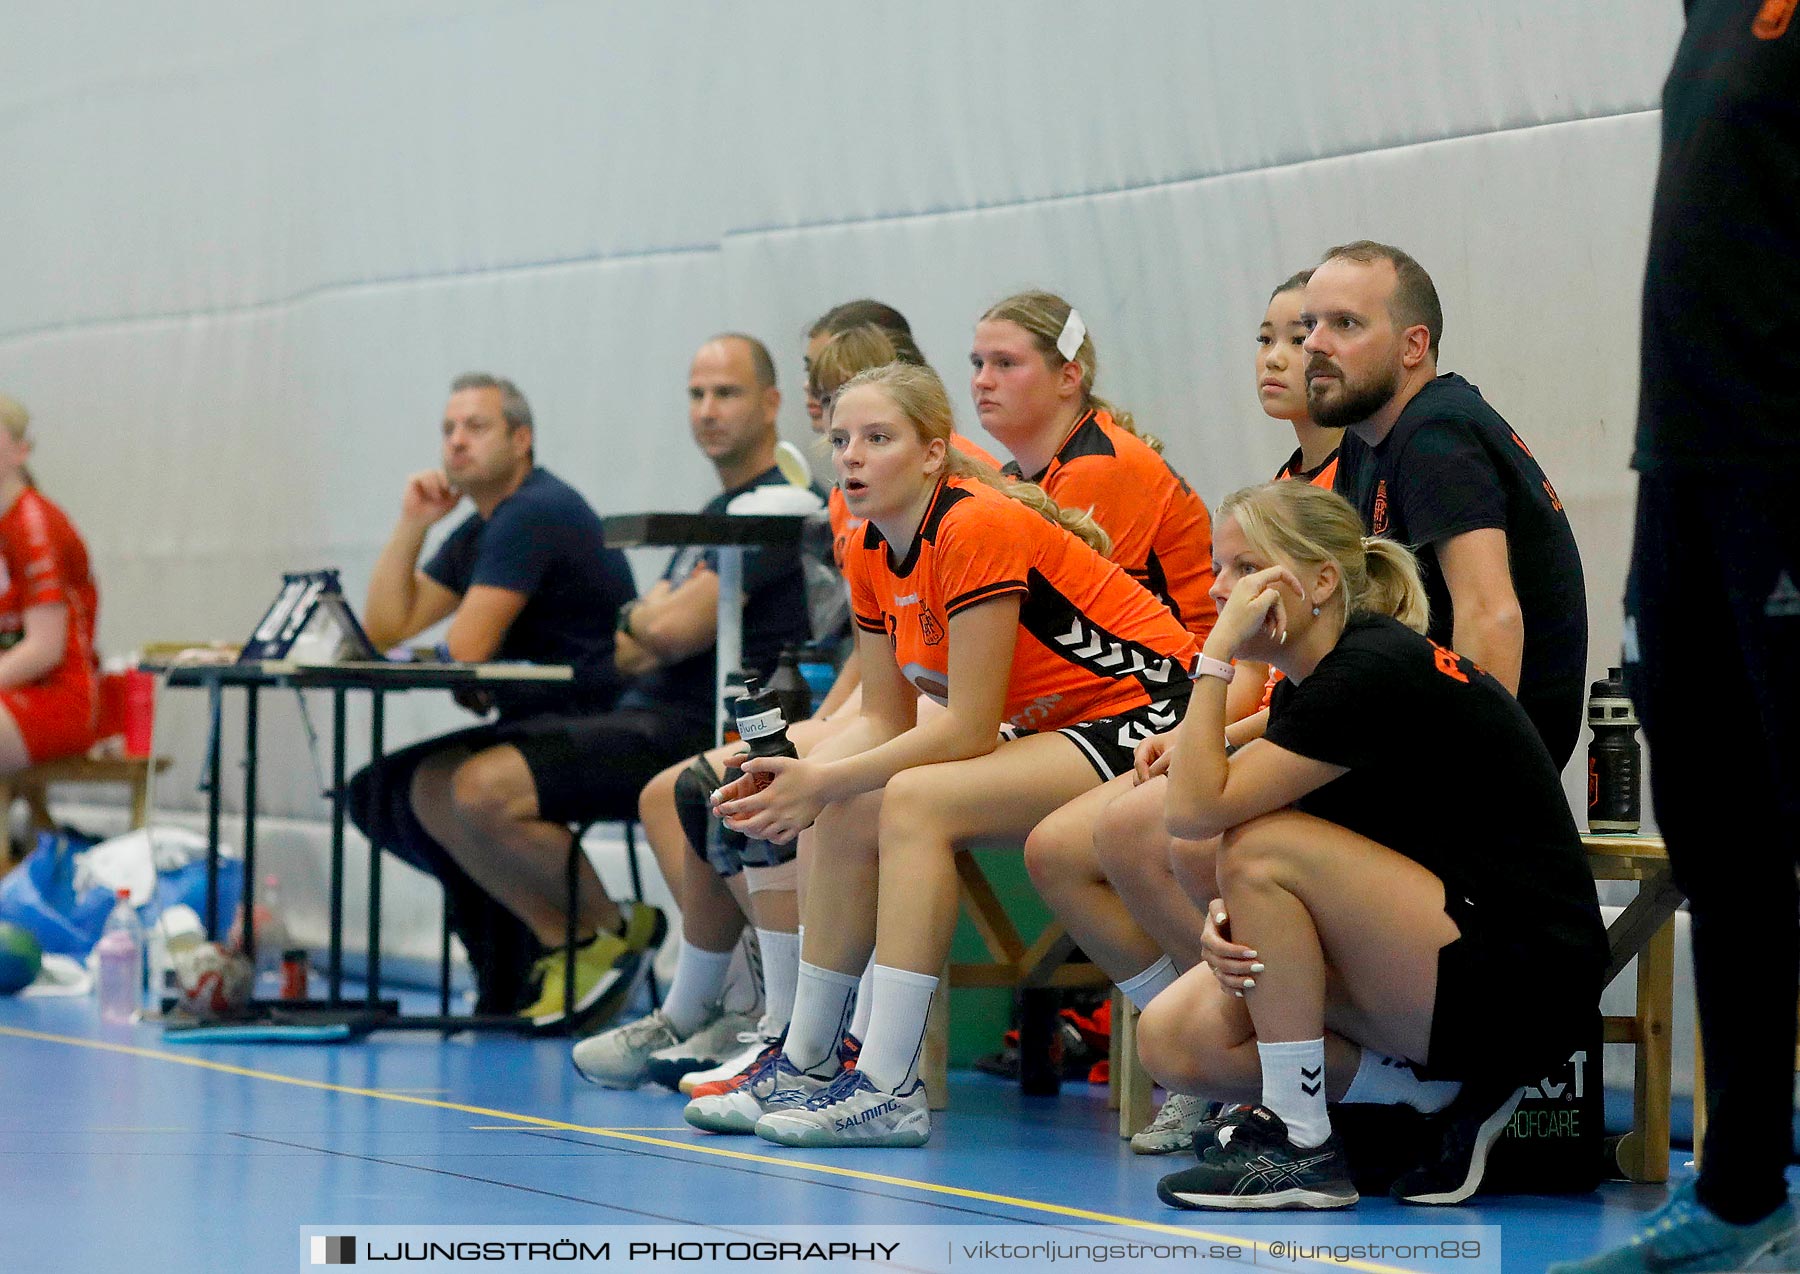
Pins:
x: 1390, y: 1081
x: 865, y: 1001
x: 1145, y: 986
x: 890, y: 1056
x: 781, y: 970
x: 699, y: 982
x: 821, y: 1012
x: 1293, y: 1086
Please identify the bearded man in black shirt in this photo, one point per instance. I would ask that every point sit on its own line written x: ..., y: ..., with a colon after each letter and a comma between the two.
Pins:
x: 1429, y: 464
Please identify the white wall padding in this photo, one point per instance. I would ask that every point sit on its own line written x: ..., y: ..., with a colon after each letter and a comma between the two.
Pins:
x: 246, y: 247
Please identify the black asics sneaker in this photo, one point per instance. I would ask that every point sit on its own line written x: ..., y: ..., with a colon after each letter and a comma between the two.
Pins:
x: 1253, y: 1166
x: 1467, y: 1129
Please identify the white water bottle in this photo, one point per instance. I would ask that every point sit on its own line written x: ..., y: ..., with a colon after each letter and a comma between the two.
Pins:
x: 121, y: 960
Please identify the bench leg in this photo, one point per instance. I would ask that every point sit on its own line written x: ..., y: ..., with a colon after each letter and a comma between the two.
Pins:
x: 140, y: 800
x: 37, y: 800
x: 934, y: 1060
x: 1643, y: 1153
x: 1127, y: 1073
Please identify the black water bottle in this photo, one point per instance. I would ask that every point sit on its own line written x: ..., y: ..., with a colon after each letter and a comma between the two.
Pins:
x: 789, y: 687
x: 1615, y: 761
x: 760, y: 724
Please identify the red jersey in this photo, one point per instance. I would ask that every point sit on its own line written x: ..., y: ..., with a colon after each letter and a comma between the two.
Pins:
x: 1091, y: 643
x: 43, y: 561
x: 1160, y: 529
x: 843, y: 525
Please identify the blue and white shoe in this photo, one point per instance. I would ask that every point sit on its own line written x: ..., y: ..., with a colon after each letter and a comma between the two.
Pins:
x: 1683, y: 1236
x: 851, y: 1111
x: 772, y: 1084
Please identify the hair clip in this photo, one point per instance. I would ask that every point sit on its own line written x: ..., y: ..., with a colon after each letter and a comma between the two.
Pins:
x: 1074, y: 331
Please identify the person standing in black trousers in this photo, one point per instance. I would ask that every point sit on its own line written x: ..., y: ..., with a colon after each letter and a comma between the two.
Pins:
x: 1713, y: 580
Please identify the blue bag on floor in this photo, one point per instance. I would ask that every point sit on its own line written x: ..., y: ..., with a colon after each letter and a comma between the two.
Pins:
x: 39, y: 895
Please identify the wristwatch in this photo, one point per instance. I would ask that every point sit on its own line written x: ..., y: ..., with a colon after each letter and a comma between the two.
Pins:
x: 1206, y: 666
x: 625, y: 613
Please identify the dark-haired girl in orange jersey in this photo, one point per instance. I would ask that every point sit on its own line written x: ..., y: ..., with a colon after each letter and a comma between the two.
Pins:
x: 1050, y: 663
x: 1032, y: 370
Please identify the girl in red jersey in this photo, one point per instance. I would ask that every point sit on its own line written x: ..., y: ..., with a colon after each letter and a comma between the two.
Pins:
x: 47, y: 608
x: 1050, y: 664
x: 1102, y: 862
x: 1032, y: 378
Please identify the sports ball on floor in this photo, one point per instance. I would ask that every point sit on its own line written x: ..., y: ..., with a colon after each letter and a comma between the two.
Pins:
x: 20, y: 958
x: 214, y: 984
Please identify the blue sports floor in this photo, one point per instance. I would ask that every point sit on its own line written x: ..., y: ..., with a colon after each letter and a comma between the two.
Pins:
x: 120, y: 1152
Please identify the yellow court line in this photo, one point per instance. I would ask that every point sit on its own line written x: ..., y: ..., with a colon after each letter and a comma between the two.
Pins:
x: 517, y: 1120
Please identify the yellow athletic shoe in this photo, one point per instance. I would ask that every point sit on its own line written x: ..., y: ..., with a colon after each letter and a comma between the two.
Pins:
x: 607, y: 966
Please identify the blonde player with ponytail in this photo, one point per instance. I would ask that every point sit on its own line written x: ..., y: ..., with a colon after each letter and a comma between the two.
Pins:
x: 986, y: 596
x: 1376, y: 870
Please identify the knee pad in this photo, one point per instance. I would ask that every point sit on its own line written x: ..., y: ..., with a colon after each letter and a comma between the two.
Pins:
x: 785, y: 877
x: 713, y: 843
x: 694, y: 787
x: 762, y: 853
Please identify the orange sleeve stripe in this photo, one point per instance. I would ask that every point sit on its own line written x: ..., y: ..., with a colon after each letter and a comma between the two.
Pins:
x: 870, y: 625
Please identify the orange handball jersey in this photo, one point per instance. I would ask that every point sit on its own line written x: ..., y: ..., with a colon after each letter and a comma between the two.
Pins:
x: 1161, y: 531
x: 844, y: 525
x: 43, y: 561
x: 1091, y: 643
x: 1323, y: 477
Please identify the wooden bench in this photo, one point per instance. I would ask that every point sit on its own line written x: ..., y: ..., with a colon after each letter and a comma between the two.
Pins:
x: 1644, y: 931
x: 1037, y: 965
x: 33, y: 785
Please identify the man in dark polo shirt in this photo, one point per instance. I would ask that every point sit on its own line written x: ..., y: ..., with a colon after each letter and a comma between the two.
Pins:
x: 501, y: 818
x: 1429, y: 464
x: 525, y: 576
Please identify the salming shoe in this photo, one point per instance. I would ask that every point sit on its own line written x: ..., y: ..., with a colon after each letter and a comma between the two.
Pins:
x: 773, y: 1084
x: 851, y: 1111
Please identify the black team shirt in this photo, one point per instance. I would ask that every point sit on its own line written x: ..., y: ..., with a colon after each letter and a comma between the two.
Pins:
x: 1446, y: 768
x: 1725, y: 248
x: 1451, y: 465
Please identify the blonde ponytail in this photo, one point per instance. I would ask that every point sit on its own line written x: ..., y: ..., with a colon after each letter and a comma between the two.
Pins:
x: 1307, y: 525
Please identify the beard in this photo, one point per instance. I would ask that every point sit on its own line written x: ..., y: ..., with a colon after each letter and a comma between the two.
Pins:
x: 1356, y: 403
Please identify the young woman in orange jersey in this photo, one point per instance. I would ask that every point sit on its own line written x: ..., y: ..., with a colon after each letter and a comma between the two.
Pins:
x: 48, y: 604
x: 1049, y: 662
x: 1032, y: 369
x: 722, y: 880
x: 1102, y: 862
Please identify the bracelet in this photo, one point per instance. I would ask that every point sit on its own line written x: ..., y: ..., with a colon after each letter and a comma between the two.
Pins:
x: 625, y: 613
x: 1207, y: 666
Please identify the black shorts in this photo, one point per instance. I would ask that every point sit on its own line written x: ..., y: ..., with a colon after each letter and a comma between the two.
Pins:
x: 1110, y: 743
x: 588, y: 768
x: 1505, y: 1010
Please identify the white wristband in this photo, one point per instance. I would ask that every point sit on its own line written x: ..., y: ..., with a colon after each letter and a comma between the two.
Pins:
x: 1210, y: 667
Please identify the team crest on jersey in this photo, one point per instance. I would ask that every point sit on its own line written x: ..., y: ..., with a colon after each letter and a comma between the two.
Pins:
x: 1378, y: 520
x: 929, y: 628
